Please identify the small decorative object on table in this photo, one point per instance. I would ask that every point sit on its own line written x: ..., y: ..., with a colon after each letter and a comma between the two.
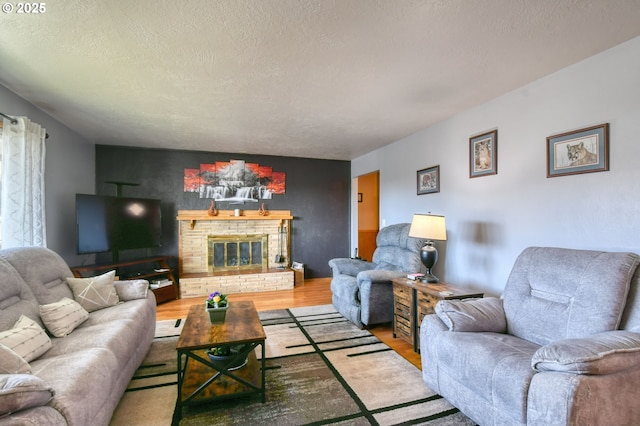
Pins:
x: 212, y: 211
x: 217, y: 305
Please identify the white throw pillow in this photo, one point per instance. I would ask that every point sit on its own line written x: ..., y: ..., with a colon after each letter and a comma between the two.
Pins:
x: 26, y: 338
x: 131, y: 289
x: 62, y: 317
x: 12, y: 363
x: 94, y: 293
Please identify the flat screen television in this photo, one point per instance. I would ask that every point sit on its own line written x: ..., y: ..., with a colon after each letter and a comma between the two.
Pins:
x: 105, y: 223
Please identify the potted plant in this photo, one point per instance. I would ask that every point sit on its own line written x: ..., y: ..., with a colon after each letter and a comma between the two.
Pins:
x: 217, y: 305
x: 223, y: 357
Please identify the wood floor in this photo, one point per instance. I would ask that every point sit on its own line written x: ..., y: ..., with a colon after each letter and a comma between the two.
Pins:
x: 313, y: 292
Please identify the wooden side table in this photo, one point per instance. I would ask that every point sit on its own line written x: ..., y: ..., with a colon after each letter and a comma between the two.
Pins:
x: 413, y: 300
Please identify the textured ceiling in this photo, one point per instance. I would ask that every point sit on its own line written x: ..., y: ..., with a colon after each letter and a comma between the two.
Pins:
x: 330, y: 79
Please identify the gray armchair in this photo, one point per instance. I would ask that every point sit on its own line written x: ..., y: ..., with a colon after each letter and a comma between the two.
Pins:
x: 361, y: 290
x: 560, y: 347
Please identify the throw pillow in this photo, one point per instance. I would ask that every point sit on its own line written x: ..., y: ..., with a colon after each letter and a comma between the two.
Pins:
x: 12, y: 363
x: 62, y: 317
x: 26, y: 338
x: 473, y: 314
x: 95, y: 292
x: 131, y: 289
x: 22, y: 391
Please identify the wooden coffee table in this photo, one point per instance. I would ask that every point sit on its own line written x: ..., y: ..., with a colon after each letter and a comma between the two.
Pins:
x: 199, y: 380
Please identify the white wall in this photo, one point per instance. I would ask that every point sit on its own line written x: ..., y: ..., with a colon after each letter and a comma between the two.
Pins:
x: 491, y: 219
x: 70, y: 169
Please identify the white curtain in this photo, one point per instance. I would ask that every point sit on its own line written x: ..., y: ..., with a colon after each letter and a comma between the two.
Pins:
x: 22, y: 200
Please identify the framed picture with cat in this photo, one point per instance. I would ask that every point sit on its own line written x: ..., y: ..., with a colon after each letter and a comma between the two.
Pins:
x: 579, y: 151
x: 483, y: 154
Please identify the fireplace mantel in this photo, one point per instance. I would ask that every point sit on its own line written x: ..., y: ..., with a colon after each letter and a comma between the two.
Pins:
x: 194, y: 215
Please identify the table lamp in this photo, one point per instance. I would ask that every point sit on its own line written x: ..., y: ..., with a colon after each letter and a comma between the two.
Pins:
x: 429, y: 227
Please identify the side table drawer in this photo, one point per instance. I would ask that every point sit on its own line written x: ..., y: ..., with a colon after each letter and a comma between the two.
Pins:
x: 402, y: 328
x: 426, y: 305
x: 403, y: 313
x: 402, y: 293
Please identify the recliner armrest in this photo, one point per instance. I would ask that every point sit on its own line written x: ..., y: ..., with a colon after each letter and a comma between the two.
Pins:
x: 601, y: 353
x: 346, y: 266
x: 473, y: 315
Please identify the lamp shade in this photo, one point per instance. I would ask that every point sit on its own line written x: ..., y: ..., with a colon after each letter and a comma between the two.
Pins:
x: 428, y: 226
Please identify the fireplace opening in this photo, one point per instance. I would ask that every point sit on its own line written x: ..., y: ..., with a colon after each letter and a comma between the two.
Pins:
x: 237, y: 252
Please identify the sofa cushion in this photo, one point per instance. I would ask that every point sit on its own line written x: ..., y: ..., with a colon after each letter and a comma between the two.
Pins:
x: 472, y: 314
x: 62, y: 317
x: 386, y: 266
x: 83, y: 379
x: 131, y: 289
x: 602, y: 353
x: 12, y: 363
x: 22, y: 391
x: 16, y: 299
x: 396, y: 247
x: 555, y: 294
x: 26, y: 338
x: 43, y: 270
x: 94, y: 293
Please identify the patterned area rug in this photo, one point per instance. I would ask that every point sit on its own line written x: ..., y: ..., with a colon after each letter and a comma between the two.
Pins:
x: 320, y: 369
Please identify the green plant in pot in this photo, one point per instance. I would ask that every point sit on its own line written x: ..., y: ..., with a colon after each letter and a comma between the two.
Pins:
x: 223, y: 356
x: 216, y: 306
x: 217, y: 300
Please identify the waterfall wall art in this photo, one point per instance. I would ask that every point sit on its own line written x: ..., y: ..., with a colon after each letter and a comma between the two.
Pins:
x: 235, y: 181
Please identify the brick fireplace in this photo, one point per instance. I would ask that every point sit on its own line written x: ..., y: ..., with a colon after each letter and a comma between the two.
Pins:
x: 233, y: 254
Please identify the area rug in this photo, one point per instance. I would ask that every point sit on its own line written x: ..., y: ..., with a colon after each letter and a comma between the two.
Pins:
x: 320, y: 369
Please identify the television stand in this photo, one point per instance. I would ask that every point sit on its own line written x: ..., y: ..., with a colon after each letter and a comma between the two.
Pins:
x: 151, y: 268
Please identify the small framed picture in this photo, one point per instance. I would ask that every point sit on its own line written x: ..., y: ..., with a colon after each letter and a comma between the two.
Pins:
x: 359, y: 197
x: 579, y: 151
x: 483, y: 154
x: 429, y: 180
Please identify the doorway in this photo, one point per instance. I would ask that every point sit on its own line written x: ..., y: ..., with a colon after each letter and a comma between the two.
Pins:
x: 368, y: 214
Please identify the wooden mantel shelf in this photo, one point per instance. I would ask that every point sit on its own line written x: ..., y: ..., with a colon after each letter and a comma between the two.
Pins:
x: 195, y: 215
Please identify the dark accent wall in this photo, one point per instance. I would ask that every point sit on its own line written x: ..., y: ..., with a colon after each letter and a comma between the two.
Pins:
x: 317, y: 193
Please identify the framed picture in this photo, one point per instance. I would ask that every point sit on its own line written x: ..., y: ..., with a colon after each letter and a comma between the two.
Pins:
x: 359, y: 197
x: 483, y: 154
x: 579, y: 151
x: 429, y: 180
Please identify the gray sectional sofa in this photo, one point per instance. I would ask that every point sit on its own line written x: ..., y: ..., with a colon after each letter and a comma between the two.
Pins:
x: 79, y: 378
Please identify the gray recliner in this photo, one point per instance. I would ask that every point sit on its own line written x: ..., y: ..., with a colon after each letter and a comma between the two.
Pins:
x: 362, y: 291
x: 560, y: 347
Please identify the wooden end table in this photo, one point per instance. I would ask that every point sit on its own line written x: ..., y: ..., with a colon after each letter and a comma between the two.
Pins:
x: 412, y: 300
x: 199, y: 380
